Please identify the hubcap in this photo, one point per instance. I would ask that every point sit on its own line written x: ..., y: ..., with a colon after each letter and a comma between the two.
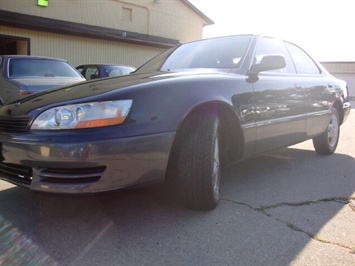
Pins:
x: 333, y: 130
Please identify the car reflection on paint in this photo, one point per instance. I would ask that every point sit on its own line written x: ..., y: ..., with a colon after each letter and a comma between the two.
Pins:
x: 95, y: 71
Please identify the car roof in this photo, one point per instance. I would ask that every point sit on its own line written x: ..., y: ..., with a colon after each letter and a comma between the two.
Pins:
x: 87, y: 65
x: 32, y: 57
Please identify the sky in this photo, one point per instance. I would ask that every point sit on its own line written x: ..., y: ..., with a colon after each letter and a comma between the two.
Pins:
x: 324, y: 28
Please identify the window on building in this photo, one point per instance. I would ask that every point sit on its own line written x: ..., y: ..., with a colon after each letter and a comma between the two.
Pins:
x: 126, y: 14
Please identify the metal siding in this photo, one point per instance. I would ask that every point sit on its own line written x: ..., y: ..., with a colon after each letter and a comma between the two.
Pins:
x: 105, y: 13
x: 79, y: 50
x: 340, y: 67
x: 171, y: 19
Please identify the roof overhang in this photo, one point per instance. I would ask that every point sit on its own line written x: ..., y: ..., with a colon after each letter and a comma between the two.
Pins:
x: 207, y: 20
x: 30, y: 22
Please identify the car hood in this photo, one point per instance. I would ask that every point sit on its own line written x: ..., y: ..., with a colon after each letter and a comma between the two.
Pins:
x: 39, y: 84
x: 103, y: 89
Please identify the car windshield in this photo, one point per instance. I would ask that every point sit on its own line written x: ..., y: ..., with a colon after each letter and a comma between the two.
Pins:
x: 29, y: 67
x: 113, y: 71
x: 221, y: 53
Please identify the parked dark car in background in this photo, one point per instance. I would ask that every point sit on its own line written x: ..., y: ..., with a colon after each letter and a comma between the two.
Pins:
x: 193, y: 109
x: 104, y: 71
x: 22, y: 75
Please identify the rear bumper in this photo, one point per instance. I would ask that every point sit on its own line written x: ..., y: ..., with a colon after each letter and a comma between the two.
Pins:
x: 85, y: 167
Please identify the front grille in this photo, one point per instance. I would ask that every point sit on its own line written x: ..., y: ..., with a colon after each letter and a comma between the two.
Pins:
x: 15, y: 173
x: 14, y: 123
x: 82, y: 175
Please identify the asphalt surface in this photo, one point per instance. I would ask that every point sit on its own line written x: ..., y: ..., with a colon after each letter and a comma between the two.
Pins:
x: 287, y: 207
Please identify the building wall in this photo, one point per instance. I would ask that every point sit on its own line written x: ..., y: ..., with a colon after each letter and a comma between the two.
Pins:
x: 78, y: 50
x: 167, y: 18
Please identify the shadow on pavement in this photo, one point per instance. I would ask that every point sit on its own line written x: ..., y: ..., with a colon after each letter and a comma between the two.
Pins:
x: 149, y: 226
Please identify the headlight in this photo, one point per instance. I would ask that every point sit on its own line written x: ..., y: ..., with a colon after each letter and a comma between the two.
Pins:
x: 86, y: 115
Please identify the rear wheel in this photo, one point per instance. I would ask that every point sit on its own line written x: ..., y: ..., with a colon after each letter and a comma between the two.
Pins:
x: 327, y: 142
x: 199, y: 162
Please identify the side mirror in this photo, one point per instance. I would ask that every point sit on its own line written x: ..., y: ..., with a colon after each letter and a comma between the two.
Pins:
x: 1, y: 102
x: 267, y: 63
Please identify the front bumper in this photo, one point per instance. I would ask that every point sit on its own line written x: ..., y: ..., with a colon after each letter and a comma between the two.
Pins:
x: 85, y: 167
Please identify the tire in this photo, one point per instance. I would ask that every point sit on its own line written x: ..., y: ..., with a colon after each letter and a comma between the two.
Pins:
x: 327, y: 142
x: 199, y: 162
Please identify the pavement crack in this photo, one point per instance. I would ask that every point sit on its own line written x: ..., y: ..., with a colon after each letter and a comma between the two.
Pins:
x: 315, y: 237
x: 342, y: 200
x: 265, y: 210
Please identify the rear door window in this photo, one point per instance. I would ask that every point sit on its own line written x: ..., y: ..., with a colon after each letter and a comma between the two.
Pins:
x: 303, y: 63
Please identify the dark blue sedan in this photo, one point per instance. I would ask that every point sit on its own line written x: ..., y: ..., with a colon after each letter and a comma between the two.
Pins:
x: 193, y: 109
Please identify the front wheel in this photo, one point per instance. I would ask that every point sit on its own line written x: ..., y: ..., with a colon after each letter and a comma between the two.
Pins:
x: 199, y: 162
x: 327, y: 142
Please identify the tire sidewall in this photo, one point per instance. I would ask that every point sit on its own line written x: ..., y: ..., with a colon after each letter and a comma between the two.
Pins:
x: 199, y: 170
x: 322, y: 143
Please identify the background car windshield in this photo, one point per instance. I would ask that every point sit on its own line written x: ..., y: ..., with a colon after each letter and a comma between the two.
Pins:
x: 113, y: 71
x: 23, y: 67
x: 225, y: 53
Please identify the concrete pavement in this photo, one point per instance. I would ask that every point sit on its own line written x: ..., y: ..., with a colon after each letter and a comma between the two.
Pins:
x: 287, y: 207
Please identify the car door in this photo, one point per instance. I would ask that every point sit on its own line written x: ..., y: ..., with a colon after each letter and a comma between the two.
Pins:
x: 2, y: 80
x: 319, y: 88
x: 279, y: 101
x: 9, y: 90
